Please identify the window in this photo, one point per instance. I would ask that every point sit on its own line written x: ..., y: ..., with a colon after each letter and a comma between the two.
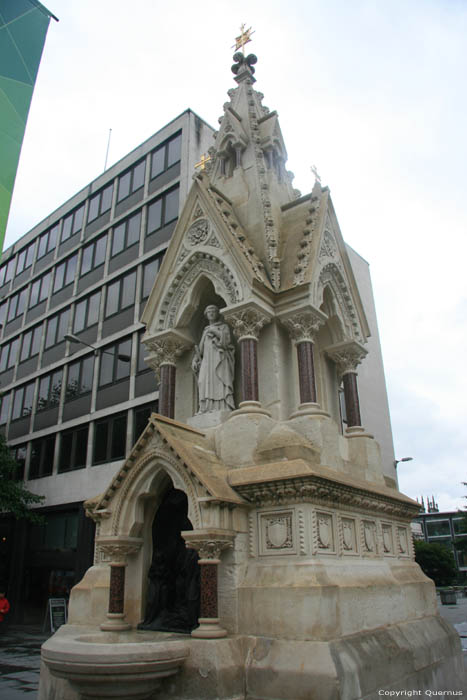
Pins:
x: 142, y: 415
x: 100, y: 203
x: 65, y: 273
x: 31, y: 343
x: 4, y: 408
x: 19, y: 455
x: 120, y: 294
x: 9, y: 355
x: 460, y: 526
x: 163, y: 210
x: 110, y: 439
x: 79, y: 380
x: 25, y: 258
x: 142, y: 352
x: 50, y: 388
x: 131, y: 181
x: 17, y: 305
x: 3, y: 308
x: 40, y: 289
x: 115, y: 364
x: 42, y: 457
x: 48, y: 241
x: 72, y: 223
x: 58, y: 533
x: 57, y: 326
x: 73, y: 449
x: 166, y: 155
x: 94, y: 255
x: 437, y: 528
x: 22, y: 401
x: 87, y: 312
x: 150, y: 271
x: 6, y: 271
x: 126, y: 234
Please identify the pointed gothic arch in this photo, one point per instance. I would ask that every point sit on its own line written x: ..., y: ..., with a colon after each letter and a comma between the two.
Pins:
x: 197, y: 265
x: 331, y: 281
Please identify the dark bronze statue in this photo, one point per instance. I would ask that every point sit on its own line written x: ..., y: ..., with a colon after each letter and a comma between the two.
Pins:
x: 174, y: 585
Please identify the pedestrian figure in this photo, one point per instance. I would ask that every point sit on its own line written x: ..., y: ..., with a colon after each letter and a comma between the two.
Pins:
x: 4, y: 606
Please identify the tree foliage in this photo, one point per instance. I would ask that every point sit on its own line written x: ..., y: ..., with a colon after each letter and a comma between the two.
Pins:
x: 436, y: 561
x: 15, y: 499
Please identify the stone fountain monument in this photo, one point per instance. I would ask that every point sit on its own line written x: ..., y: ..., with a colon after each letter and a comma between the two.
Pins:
x: 253, y: 545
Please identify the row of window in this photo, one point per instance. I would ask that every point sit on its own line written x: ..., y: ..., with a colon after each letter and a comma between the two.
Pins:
x: 109, y: 444
x: 120, y: 294
x: 441, y: 528
x: 161, y: 212
x: 162, y: 158
x: 114, y: 366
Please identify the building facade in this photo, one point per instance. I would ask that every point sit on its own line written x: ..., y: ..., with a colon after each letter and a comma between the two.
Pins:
x: 75, y: 391
x: 445, y: 528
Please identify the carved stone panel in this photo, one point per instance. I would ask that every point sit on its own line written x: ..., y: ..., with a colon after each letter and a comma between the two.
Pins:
x: 403, y: 541
x: 277, y: 533
x: 324, y: 536
x: 368, y: 537
x: 348, y: 536
x: 387, y: 539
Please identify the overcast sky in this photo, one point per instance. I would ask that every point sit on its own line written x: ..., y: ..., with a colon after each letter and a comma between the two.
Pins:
x: 373, y: 93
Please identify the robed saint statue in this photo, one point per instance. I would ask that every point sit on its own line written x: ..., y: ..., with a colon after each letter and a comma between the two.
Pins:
x: 214, y: 364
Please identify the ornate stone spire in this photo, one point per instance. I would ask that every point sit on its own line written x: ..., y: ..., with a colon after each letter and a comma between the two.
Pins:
x: 247, y: 165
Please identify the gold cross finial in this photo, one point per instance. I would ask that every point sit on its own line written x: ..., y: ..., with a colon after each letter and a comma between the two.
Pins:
x: 202, y: 163
x: 243, y: 38
x: 314, y: 170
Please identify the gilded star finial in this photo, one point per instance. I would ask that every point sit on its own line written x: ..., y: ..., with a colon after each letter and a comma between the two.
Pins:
x: 202, y: 163
x: 243, y: 38
x: 314, y: 170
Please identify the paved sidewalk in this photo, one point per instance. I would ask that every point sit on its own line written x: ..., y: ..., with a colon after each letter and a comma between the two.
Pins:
x: 20, y: 651
x: 20, y: 657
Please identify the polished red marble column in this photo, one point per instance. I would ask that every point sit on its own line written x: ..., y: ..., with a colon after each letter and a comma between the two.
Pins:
x: 167, y: 390
x: 249, y: 369
x: 208, y: 607
x: 306, y: 372
x: 352, y: 403
x: 117, y: 588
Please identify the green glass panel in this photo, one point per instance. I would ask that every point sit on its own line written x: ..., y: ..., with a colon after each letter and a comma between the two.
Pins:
x: 23, y: 28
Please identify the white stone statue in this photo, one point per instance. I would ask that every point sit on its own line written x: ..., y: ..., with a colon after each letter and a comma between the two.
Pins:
x: 214, y: 363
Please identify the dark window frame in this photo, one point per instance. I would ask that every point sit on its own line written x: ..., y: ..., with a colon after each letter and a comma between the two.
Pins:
x: 65, y: 264
x: 77, y: 439
x: 44, y: 282
x: 15, y: 303
x: 32, y: 343
x: 121, y: 283
x: 99, y: 196
x: 131, y: 187
x: 165, y: 146
x: 157, y: 258
x: 163, y: 220
x: 114, y: 424
x: 115, y: 349
x: 25, y: 258
x: 94, y: 247
x: 46, y: 447
x: 87, y: 302
x: 7, y: 271
x: 50, y: 237
x: 9, y: 350
x: 72, y: 218
x: 78, y: 391
x: 126, y: 224
x: 58, y: 316
x: 24, y: 411
x: 53, y: 391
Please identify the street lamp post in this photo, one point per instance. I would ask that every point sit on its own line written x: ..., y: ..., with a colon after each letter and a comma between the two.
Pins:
x: 404, y: 459
x: 74, y: 339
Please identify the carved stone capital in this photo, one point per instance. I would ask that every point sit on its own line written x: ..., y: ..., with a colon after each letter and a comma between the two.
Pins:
x: 247, y: 321
x: 347, y: 355
x: 165, y: 348
x: 117, y: 548
x: 303, y: 324
x: 209, y: 543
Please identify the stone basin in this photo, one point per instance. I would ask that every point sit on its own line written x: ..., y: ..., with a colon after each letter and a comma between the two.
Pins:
x: 114, y: 664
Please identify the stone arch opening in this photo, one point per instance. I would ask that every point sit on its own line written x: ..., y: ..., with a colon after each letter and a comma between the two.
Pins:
x: 173, y: 580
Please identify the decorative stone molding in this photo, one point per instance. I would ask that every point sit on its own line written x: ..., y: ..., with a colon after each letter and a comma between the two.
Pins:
x: 332, y: 276
x: 387, y: 540
x: 318, y: 490
x: 309, y: 232
x: 369, y: 538
x: 198, y: 232
x: 402, y: 541
x: 209, y: 543
x: 247, y: 322
x: 347, y: 355
x: 347, y: 536
x: 303, y: 324
x: 165, y: 348
x: 277, y: 533
x: 118, y: 548
x: 325, y: 533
